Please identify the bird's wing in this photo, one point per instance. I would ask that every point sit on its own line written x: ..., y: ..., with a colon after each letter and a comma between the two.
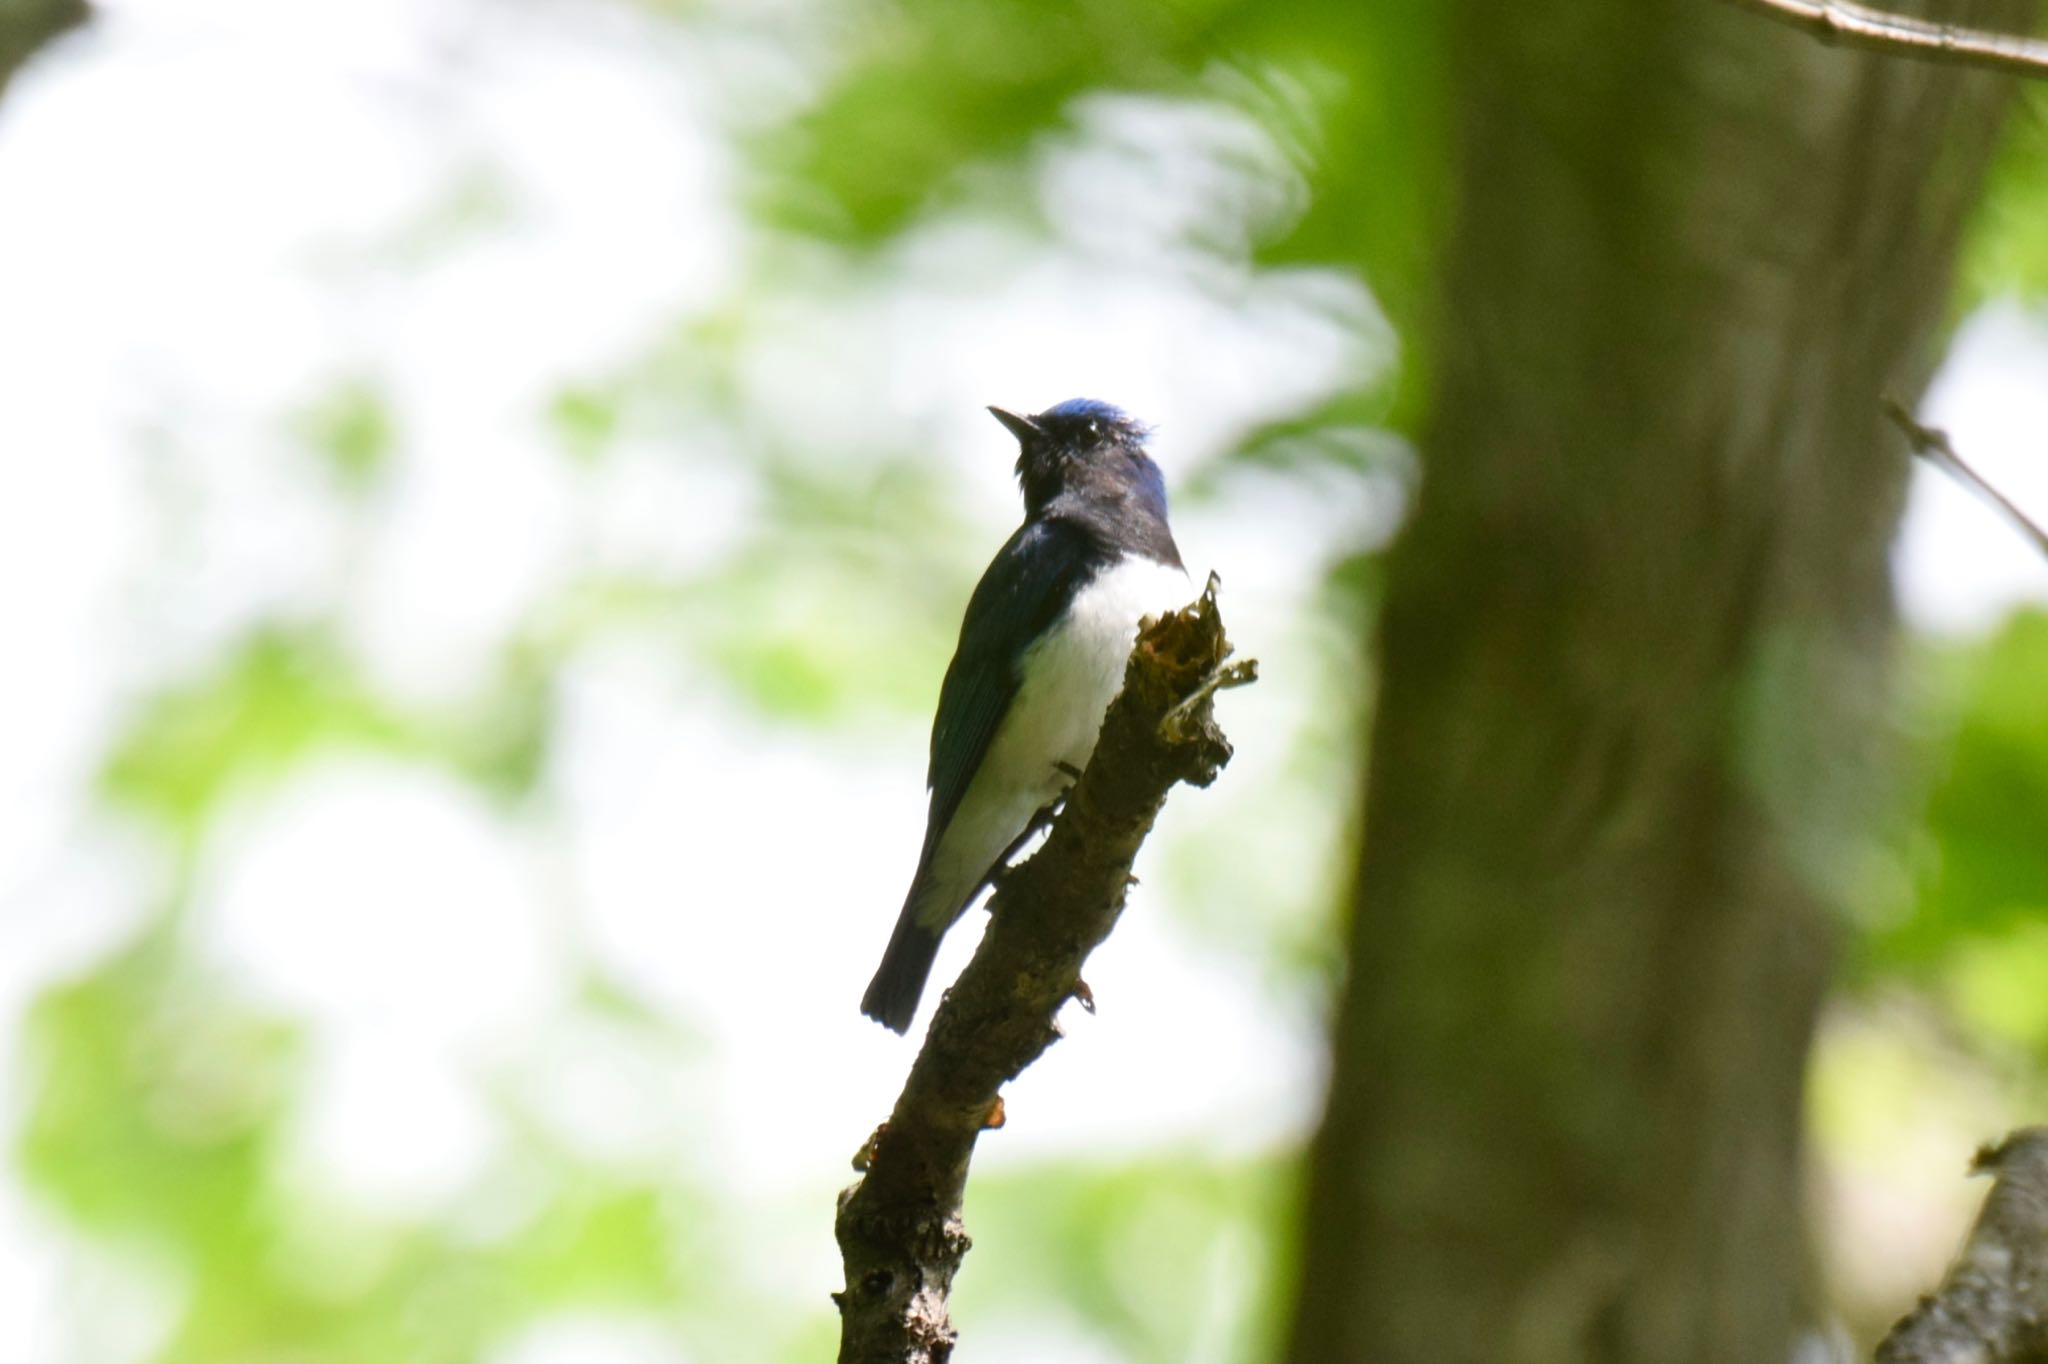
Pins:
x: 1025, y: 588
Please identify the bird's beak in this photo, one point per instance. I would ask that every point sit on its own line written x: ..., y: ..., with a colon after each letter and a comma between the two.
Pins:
x: 1021, y: 426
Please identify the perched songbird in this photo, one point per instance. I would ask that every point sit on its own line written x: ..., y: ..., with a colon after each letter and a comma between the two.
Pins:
x: 1041, y: 655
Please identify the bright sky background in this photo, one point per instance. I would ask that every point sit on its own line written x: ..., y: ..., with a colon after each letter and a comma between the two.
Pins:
x: 210, y: 213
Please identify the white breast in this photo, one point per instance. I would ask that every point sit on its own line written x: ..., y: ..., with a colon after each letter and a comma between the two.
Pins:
x: 1069, y: 678
x: 1074, y: 672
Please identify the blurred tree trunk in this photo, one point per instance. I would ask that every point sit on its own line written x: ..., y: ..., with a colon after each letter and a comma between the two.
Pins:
x: 1635, y: 652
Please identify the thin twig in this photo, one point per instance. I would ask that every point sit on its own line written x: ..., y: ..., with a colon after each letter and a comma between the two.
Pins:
x: 1852, y: 25
x: 1992, y: 1306
x: 1222, y: 677
x: 899, y: 1229
x: 1935, y: 445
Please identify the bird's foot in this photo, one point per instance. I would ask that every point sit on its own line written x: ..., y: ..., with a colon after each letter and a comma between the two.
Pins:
x: 1038, y: 824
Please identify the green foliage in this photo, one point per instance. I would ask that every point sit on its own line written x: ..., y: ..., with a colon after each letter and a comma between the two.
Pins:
x: 156, y: 1103
x: 282, y: 693
x: 286, y: 692
x: 933, y: 91
x: 353, y: 431
x: 808, y: 645
x: 1345, y: 435
x: 2007, y: 249
x: 1977, y: 931
x: 1984, y: 867
x: 161, y: 1119
x: 584, y: 420
x: 1368, y: 110
x: 1989, y: 869
x: 1997, y: 985
x: 1170, y: 1258
x: 937, y: 107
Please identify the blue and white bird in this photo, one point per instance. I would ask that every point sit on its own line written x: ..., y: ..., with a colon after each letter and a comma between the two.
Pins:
x: 1041, y: 655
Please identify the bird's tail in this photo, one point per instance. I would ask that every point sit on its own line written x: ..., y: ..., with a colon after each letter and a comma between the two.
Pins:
x: 892, y: 995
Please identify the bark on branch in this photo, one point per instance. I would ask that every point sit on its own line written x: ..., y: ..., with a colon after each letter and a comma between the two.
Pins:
x: 1902, y: 35
x: 899, y: 1228
x: 1992, y: 1308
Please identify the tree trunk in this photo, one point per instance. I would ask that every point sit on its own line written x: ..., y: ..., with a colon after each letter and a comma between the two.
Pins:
x: 1635, y: 650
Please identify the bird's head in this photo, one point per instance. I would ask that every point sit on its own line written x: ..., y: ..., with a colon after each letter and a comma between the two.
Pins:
x: 1085, y: 445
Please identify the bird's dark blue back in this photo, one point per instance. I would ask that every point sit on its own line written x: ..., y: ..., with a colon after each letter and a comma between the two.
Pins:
x: 1031, y: 580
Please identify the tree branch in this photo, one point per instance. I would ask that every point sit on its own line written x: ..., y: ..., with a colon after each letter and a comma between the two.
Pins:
x: 26, y: 25
x: 1936, y: 446
x: 1992, y: 1307
x: 1852, y: 25
x: 899, y: 1228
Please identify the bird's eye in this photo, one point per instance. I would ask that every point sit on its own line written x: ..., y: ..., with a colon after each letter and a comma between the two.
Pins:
x: 1094, y: 427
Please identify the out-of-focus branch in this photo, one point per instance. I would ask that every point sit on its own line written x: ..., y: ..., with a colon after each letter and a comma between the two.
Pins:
x: 1852, y: 25
x: 899, y: 1228
x: 26, y: 25
x: 1935, y: 445
x: 1992, y: 1308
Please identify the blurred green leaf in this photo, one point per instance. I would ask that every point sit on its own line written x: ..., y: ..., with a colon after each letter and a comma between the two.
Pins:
x: 937, y: 106
x: 288, y: 691
x: 1343, y: 434
x: 160, y: 1116
x: 156, y: 1101
x: 827, y: 611
x: 600, y: 1245
x: 1987, y: 820
x: 1369, y: 86
x: 1976, y: 932
x: 2007, y: 248
x: 932, y: 90
x: 353, y: 431
x: 1999, y: 986
x: 282, y: 692
x: 1171, y: 1257
x: 584, y: 420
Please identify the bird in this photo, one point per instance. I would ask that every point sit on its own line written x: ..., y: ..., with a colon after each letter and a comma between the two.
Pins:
x: 1041, y: 655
